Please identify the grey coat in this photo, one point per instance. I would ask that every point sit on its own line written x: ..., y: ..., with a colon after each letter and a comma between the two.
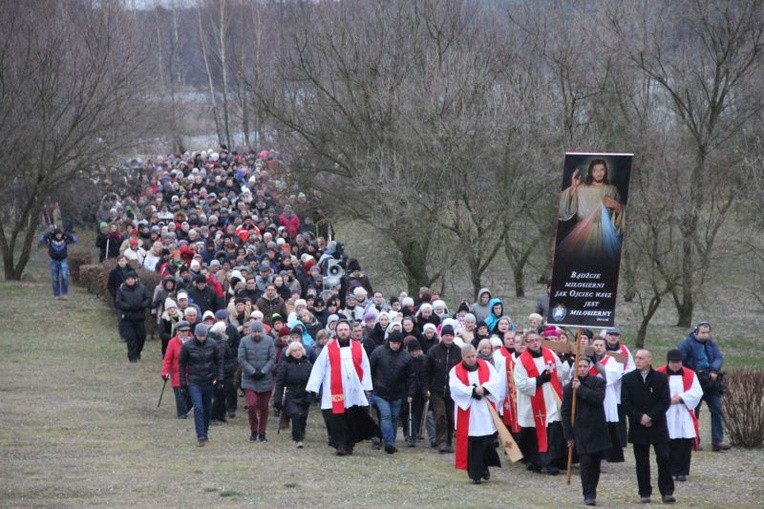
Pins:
x: 254, y: 356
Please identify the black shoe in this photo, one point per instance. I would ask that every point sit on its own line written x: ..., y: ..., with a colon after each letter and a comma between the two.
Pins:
x: 590, y: 501
x: 668, y: 499
x: 681, y: 478
x: 411, y: 443
x: 552, y: 471
x: 476, y: 481
x: 390, y: 449
x: 486, y: 475
x: 261, y: 438
x: 231, y: 415
x: 201, y: 442
x: 253, y: 437
x: 644, y: 500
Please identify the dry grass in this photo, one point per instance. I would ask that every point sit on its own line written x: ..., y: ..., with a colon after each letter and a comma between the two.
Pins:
x: 79, y: 427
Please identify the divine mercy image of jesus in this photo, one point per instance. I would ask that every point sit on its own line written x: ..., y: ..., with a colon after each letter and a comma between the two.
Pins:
x: 592, y: 205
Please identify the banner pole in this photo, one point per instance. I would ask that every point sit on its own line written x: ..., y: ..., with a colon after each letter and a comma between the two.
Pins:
x: 573, y: 407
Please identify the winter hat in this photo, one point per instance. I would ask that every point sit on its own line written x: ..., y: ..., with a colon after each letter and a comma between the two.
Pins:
x: 221, y: 314
x: 133, y: 241
x: 218, y: 328
x: 469, y: 317
x: 215, y: 264
x: 439, y: 304
x: 256, y: 326
x: 447, y: 330
x: 369, y: 316
x: 201, y: 330
x: 258, y: 315
x: 412, y: 343
x: 182, y: 295
x: 407, y: 301
x: 131, y: 273
x: 395, y: 336
x: 208, y: 315
x: 495, y: 341
x: 169, y: 303
x: 674, y: 355
x: 430, y: 326
x: 300, y: 302
x: 182, y: 325
x: 332, y: 319
x: 360, y: 291
x: 535, y: 316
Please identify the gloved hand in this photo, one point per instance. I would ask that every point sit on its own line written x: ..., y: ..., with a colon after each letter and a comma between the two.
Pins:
x: 310, y: 397
x: 258, y: 375
x: 166, y: 377
x: 543, y: 378
x: 476, y: 395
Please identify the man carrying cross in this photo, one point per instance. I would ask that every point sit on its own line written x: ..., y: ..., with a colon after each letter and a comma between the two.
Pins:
x: 538, y: 375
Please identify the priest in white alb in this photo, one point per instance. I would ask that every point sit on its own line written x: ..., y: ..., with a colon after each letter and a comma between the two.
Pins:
x: 682, y: 423
x: 474, y: 385
x: 609, y: 369
x: 342, y: 370
x: 538, y: 381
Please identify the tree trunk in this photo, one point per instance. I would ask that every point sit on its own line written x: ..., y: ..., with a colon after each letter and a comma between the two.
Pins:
x: 414, y: 261
x: 686, y: 305
x: 652, y: 307
x: 518, y: 274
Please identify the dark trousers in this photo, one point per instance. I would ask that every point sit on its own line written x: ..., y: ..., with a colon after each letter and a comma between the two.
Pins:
x: 621, y: 426
x: 299, y: 422
x: 220, y: 401
x: 481, y: 454
x: 443, y: 414
x: 201, y: 397
x: 182, y: 401
x: 713, y: 398
x: 257, y: 403
x: 642, y: 458
x: 615, y: 453
x: 555, y: 456
x: 589, y: 465
x: 680, y: 454
x: 134, y: 334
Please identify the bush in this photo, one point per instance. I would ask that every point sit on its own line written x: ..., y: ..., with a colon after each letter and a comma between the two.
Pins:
x: 78, y: 258
x: 743, y: 404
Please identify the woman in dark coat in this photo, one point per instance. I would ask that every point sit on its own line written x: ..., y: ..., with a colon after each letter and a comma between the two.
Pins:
x: 291, y: 379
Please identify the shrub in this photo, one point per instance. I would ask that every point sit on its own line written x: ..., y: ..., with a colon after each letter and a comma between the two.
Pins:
x: 743, y: 404
x: 78, y: 258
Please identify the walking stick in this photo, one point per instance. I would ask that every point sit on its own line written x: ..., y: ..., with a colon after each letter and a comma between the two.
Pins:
x: 411, y: 423
x: 573, y: 406
x: 423, y: 424
x: 162, y: 393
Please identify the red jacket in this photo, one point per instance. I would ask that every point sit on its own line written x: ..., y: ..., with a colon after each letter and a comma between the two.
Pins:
x: 292, y: 224
x: 170, y: 363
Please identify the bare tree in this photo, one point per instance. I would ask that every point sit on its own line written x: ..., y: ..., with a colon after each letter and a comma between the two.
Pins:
x: 703, y: 56
x: 70, y: 82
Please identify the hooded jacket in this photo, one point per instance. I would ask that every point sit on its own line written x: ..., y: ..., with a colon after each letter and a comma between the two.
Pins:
x: 480, y: 311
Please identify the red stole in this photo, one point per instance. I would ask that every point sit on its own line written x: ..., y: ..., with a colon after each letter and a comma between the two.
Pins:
x: 335, y: 368
x: 510, y: 402
x: 538, y: 404
x: 687, y: 377
x: 463, y: 416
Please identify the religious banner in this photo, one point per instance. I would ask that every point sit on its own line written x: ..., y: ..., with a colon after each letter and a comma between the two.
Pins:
x: 590, y: 228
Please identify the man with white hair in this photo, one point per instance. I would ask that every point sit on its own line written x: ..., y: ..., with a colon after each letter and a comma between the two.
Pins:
x: 474, y: 385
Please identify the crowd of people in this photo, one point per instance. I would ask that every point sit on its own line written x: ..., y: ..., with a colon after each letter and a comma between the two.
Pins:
x: 257, y: 298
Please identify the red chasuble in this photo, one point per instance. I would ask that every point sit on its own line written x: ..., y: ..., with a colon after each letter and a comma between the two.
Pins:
x: 335, y: 366
x: 687, y: 376
x: 463, y: 416
x: 509, y: 418
x: 538, y: 404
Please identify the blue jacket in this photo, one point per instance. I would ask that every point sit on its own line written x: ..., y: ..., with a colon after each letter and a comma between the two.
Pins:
x: 691, y: 349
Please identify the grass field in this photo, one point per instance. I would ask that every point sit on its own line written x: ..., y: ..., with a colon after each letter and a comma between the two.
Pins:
x: 79, y: 427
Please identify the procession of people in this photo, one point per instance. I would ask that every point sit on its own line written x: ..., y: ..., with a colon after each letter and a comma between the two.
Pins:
x: 248, y: 307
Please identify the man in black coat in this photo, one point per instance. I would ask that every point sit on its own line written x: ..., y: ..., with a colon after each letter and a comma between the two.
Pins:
x: 645, y: 397
x: 393, y: 379
x: 589, y: 433
x: 440, y: 359
x: 132, y: 300
x: 204, y: 296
